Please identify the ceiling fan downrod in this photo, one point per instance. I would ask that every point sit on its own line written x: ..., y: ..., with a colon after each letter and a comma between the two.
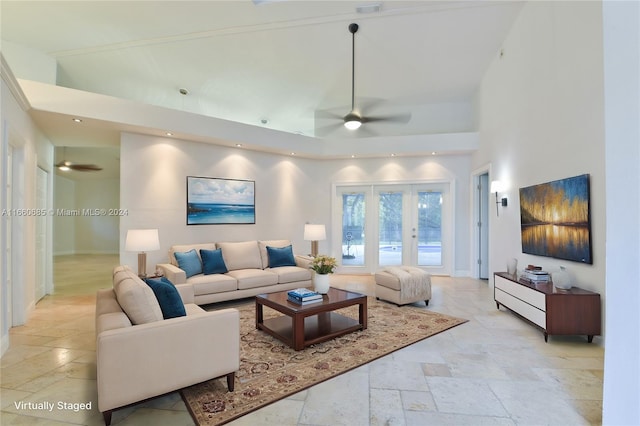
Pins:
x: 352, y: 120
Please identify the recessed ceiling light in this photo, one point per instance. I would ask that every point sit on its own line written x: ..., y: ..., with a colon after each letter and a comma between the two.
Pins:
x: 183, y: 91
x: 293, y: 153
x: 433, y: 153
x: 393, y: 155
x: 353, y: 156
x: 77, y: 120
x: 264, y: 121
x: 239, y: 145
x: 169, y: 134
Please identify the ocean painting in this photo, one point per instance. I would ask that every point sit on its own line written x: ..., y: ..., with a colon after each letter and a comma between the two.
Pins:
x: 555, y: 219
x: 212, y: 201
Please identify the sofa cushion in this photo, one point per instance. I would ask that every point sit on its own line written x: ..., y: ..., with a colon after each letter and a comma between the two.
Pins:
x: 120, y: 273
x: 289, y: 274
x: 189, y: 262
x: 215, y: 283
x: 252, y: 278
x: 262, y: 245
x: 168, y: 297
x: 181, y: 248
x: 137, y: 300
x: 280, y: 256
x: 241, y: 255
x: 212, y: 262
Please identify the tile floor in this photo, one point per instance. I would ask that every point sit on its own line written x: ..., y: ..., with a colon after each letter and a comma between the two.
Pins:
x: 495, y: 369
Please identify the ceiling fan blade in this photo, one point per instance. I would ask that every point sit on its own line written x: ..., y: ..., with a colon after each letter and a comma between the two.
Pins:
x: 327, y: 115
x: 85, y: 167
x: 323, y: 131
x: 396, y: 118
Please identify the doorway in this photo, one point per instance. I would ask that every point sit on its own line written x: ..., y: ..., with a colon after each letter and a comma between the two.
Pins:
x: 395, y: 224
x: 480, y: 205
x: 42, y: 252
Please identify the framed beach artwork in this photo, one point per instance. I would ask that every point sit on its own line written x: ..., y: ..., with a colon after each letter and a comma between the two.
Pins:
x: 215, y: 201
x: 555, y: 219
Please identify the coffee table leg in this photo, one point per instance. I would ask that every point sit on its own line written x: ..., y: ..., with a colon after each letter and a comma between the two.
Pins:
x: 363, y: 315
x: 259, y: 318
x: 298, y: 332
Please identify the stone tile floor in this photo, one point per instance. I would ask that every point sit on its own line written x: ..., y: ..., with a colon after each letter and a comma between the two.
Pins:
x: 495, y: 369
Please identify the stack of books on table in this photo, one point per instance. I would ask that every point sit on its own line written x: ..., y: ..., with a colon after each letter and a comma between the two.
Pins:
x: 302, y: 296
x: 536, y: 274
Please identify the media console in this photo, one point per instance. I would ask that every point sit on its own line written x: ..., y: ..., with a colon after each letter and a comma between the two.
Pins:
x: 555, y: 311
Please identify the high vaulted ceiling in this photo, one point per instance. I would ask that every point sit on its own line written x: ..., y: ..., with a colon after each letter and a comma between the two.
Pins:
x: 285, y: 65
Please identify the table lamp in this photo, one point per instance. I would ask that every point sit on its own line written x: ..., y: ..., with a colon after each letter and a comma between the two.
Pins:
x: 142, y: 241
x: 314, y: 233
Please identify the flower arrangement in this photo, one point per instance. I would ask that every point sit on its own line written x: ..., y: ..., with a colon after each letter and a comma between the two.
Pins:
x: 323, y: 264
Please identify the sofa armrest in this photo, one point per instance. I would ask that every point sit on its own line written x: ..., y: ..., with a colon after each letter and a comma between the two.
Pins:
x: 173, y: 273
x: 142, y: 361
x: 186, y: 293
x: 303, y: 261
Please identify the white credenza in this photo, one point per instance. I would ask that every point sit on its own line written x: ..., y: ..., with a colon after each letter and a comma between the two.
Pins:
x: 555, y: 311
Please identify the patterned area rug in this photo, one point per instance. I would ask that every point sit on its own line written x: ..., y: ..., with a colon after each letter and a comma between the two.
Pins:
x: 270, y: 370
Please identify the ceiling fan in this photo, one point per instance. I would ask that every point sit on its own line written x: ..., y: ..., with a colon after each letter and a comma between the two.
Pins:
x: 66, y: 165
x: 356, y: 117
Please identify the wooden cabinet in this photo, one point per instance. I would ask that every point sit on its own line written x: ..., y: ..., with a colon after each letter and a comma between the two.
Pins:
x: 555, y: 311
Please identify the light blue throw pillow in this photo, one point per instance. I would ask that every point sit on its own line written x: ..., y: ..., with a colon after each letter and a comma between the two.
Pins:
x: 189, y: 262
x: 213, y: 262
x: 168, y: 297
x: 280, y: 256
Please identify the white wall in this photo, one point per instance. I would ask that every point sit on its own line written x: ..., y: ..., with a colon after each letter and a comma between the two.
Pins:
x: 541, y: 118
x: 30, y: 150
x: 290, y: 191
x: 97, y: 233
x: 86, y: 233
x: 64, y: 230
x: 621, y: 404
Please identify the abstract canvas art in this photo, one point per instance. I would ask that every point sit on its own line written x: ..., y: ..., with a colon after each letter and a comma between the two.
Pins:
x: 220, y: 201
x: 555, y: 219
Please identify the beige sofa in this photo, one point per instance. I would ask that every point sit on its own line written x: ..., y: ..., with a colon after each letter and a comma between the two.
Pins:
x: 141, y: 355
x: 248, y: 273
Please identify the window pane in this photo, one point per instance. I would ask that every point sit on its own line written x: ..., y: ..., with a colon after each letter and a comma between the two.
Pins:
x: 429, y: 228
x: 353, y: 229
x: 390, y: 229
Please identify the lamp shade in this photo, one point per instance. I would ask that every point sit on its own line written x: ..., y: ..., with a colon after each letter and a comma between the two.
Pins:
x: 142, y: 240
x: 314, y: 232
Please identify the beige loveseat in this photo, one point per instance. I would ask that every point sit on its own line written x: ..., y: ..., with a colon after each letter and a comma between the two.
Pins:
x: 249, y: 272
x: 141, y: 355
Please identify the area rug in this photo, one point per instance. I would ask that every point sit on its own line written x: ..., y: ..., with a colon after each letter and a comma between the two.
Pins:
x: 270, y: 370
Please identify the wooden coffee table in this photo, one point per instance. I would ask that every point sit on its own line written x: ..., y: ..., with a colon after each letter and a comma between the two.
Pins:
x: 304, y: 325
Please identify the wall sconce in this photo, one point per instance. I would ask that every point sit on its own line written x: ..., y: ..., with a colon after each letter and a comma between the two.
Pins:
x: 314, y: 233
x: 496, y: 186
x: 142, y: 241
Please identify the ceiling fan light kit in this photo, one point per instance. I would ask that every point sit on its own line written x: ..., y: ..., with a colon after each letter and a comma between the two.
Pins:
x: 352, y: 121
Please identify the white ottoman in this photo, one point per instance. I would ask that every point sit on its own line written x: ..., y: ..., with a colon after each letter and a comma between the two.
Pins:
x: 403, y: 284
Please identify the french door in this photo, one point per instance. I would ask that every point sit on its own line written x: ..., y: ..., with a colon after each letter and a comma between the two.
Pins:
x: 390, y: 225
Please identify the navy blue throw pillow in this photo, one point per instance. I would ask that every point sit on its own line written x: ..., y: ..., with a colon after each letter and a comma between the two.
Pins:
x: 168, y: 297
x: 189, y: 262
x: 213, y: 262
x: 280, y: 256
